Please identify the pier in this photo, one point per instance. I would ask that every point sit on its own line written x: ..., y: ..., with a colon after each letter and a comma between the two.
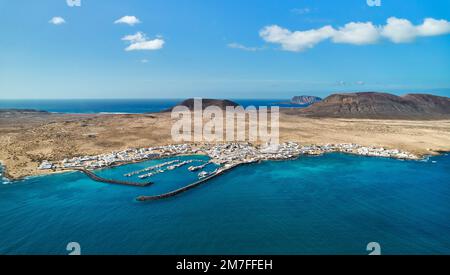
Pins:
x: 93, y: 176
x: 188, y: 187
x: 195, y: 168
x: 151, y: 168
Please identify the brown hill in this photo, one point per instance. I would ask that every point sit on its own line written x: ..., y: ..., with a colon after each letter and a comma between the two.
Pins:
x: 206, y: 102
x: 381, y: 106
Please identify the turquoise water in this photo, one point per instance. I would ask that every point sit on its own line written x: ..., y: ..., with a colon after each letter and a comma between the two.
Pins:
x: 333, y: 204
x: 89, y: 106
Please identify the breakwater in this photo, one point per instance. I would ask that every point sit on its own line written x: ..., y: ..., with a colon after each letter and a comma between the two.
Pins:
x: 190, y: 186
x: 95, y: 177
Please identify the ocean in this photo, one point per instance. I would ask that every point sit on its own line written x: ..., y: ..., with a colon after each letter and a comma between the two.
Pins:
x: 331, y: 204
x: 131, y: 106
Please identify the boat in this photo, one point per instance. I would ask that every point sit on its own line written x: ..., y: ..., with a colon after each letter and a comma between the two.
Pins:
x: 151, y: 168
x: 203, y: 174
x: 146, y: 176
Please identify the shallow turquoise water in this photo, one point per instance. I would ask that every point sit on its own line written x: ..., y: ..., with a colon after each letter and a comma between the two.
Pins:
x: 333, y: 204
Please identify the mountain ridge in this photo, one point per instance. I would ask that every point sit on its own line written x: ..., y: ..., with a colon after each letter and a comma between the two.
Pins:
x: 380, y: 105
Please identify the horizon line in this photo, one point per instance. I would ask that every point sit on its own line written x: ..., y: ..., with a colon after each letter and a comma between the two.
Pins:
x: 230, y: 98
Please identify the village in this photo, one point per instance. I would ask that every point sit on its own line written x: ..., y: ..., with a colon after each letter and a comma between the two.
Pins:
x: 226, y: 155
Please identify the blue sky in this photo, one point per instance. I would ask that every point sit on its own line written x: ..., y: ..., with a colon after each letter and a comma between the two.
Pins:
x: 219, y: 49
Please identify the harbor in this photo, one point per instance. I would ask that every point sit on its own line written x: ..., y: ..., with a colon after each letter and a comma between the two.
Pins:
x: 151, y: 168
x: 226, y: 157
x: 179, y: 191
x: 165, y: 167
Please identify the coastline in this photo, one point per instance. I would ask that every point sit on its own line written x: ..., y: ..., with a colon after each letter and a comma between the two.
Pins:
x: 63, y: 171
x: 27, y: 141
x: 47, y: 172
x: 223, y: 168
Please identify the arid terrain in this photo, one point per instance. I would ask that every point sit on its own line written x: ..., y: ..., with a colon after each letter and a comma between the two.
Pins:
x: 27, y: 138
x: 376, y: 105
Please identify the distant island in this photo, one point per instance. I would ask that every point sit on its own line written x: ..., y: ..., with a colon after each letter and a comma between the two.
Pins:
x: 206, y: 102
x: 305, y: 100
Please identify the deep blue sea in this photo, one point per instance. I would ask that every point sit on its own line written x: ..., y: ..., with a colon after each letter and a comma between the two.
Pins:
x: 332, y: 204
x: 87, y: 106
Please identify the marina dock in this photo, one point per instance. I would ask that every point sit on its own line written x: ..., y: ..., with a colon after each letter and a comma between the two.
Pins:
x: 93, y: 176
x: 188, y: 187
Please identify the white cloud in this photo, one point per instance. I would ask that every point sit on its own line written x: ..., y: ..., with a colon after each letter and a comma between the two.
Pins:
x: 242, y: 47
x: 134, y: 38
x: 144, y: 61
x: 57, y: 20
x: 403, y: 31
x: 128, y: 19
x: 433, y: 27
x: 73, y: 3
x: 301, y: 11
x: 296, y: 41
x: 140, y: 42
x: 355, y: 33
x: 399, y: 30
x: 149, y: 45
